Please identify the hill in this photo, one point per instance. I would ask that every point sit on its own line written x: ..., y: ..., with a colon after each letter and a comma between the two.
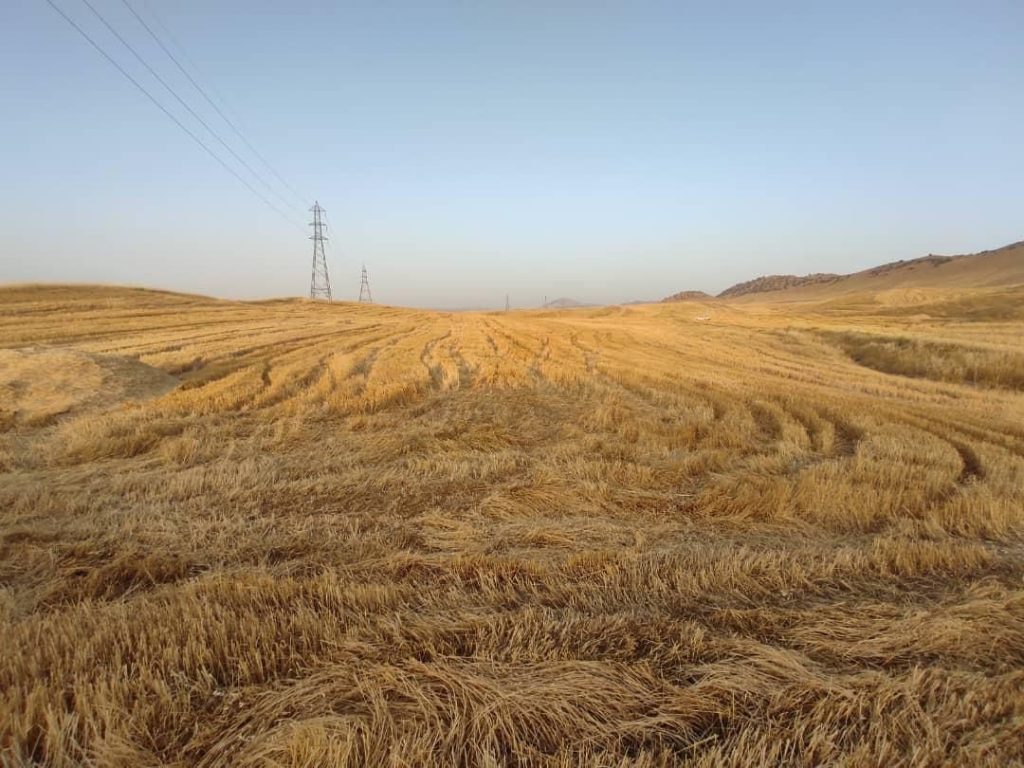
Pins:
x: 1001, y: 267
x: 777, y: 283
x: 688, y: 296
x: 563, y: 303
x: 998, y: 268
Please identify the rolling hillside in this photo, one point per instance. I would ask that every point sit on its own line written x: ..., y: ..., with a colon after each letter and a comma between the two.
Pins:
x: 999, y: 268
x: 777, y: 283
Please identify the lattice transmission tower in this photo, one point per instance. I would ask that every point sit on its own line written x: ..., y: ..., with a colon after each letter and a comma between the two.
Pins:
x: 364, y: 287
x: 320, y: 281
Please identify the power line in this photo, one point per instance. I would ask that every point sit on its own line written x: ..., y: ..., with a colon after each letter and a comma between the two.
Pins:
x: 206, y: 96
x: 169, y: 114
x: 223, y: 102
x: 327, y: 220
x: 184, y: 54
x: 181, y: 101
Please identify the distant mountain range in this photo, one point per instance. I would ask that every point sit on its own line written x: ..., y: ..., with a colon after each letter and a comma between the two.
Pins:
x: 1000, y: 267
x: 563, y: 303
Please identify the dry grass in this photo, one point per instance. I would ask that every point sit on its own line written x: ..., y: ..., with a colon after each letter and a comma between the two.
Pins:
x: 355, y: 535
x: 941, y: 361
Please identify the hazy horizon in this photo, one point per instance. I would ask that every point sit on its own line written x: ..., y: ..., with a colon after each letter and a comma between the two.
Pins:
x: 464, y: 153
x: 544, y: 301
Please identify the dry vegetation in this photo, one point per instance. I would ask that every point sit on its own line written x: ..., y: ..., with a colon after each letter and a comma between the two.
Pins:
x: 979, y: 364
x: 282, y: 534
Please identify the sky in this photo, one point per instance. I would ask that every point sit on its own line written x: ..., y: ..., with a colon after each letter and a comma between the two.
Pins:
x: 601, y: 151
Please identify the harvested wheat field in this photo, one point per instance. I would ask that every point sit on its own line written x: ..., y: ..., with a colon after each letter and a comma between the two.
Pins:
x: 296, y: 534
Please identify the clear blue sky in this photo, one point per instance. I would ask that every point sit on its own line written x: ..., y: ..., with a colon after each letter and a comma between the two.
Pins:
x: 601, y: 151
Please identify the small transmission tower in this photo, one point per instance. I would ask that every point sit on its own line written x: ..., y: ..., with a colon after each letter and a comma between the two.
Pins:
x: 364, y: 288
x: 320, y: 281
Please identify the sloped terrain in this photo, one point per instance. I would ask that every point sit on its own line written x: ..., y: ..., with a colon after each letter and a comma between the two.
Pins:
x: 362, y: 535
x: 897, y: 281
x: 776, y: 283
x: 687, y: 296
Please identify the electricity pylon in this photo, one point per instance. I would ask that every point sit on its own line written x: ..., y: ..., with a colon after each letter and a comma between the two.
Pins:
x: 364, y: 287
x: 320, y: 281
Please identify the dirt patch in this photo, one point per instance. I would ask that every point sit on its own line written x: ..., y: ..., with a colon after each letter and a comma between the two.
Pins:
x: 39, y: 384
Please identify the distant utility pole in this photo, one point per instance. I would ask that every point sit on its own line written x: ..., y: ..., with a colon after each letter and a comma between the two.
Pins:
x: 506, y: 302
x: 320, y: 281
x: 545, y: 302
x: 364, y: 288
